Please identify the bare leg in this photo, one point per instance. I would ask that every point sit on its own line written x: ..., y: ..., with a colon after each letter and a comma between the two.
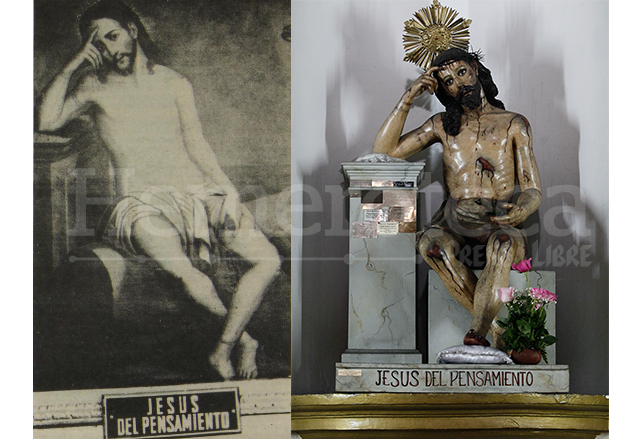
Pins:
x: 253, y: 246
x: 503, y: 247
x: 166, y: 249
x: 437, y: 248
x: 156, y: 237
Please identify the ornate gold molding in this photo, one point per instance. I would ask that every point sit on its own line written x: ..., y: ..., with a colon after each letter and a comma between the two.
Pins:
x: 449, y: 415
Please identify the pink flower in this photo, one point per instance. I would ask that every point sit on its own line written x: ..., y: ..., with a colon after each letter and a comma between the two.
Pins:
x: 523, y: 266
x: 538, y: 305
x: 542, y: 294
x: 506, y: 294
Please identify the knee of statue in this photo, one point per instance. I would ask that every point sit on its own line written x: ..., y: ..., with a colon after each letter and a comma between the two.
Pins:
x: 503, y: 237
x: 434, y: 243
x: 506, y: 244
x: 430, y: 248
x: 433, y: 251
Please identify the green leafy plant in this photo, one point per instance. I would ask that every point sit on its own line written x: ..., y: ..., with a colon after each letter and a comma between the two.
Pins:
x: 525, y: 323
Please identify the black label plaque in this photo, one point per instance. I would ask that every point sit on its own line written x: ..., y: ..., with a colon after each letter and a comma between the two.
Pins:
x: 176, y: 414
x: 403, y: 184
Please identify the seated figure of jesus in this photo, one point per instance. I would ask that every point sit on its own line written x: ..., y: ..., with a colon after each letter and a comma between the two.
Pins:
x: 487, y: 151
x: 175, y: 202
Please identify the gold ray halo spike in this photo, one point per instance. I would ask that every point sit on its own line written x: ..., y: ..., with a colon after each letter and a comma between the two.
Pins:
x: 434, y: 30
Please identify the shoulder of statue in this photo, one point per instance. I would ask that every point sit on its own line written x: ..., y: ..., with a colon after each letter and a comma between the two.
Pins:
x: 514, y: 120
x: 519, y: 120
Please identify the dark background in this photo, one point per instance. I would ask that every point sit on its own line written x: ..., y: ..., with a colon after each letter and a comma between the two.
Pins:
x: 237, y: 56
x: 234, y: 55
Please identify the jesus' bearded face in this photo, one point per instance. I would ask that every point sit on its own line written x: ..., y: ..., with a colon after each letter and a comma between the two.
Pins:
x: 116, y: 44
x: 460, y: 81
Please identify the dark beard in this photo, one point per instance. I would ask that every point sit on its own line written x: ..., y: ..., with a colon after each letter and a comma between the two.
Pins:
x: 111, y: 66
x: 471, y: 101
x: 129, y: 69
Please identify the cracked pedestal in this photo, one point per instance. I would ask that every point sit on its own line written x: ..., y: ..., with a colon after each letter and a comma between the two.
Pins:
x: 382, y: 282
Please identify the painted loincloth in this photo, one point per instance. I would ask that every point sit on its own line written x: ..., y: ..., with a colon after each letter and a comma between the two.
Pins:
x: 467, y: 229
x: 198, y: 217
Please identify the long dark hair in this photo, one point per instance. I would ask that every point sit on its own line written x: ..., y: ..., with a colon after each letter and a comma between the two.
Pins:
x: 453, y: 110
x: 123, y: 14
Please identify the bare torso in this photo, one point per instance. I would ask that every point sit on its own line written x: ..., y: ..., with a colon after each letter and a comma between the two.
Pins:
x: 480, y: 161
x: 139, y: 122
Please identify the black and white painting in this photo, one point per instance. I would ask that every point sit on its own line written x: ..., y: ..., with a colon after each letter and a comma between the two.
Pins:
x: 161, y: 192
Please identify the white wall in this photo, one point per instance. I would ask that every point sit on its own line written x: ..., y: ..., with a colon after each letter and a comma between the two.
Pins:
x: 550, y: 62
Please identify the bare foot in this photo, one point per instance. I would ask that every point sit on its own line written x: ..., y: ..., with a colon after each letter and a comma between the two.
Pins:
x: 220, y: 361
x: 247, y: 368
x: 472, y: 338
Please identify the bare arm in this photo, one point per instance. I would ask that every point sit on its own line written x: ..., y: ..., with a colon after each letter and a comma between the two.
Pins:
x: 57, y: 107
x: 196, y: 144
x: 389, y: 139
x: 526, y: 173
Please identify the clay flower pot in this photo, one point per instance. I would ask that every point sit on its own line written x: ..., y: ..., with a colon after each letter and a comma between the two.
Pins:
x: 526, y: 356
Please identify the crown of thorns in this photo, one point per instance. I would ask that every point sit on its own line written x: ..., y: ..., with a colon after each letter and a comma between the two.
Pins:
x: 434, y: 30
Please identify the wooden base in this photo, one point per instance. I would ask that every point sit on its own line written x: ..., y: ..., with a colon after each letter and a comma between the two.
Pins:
x: 491, y: 416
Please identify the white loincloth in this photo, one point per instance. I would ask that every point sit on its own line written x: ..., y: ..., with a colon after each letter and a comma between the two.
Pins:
x: 197, y: 217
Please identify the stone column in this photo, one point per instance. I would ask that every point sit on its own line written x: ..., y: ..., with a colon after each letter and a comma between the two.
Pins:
x: 382, y: 282
x: 53, y: 157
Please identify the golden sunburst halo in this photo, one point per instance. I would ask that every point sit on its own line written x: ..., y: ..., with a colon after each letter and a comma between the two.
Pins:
x: 434, y: 30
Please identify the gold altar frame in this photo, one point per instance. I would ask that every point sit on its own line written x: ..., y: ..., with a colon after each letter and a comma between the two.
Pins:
x: 551, y: 416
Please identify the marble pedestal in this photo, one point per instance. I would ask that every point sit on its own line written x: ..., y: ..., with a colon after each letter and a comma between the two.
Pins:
x: 382, y: 259
x: 382, y: 354
x: 448, y: 321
